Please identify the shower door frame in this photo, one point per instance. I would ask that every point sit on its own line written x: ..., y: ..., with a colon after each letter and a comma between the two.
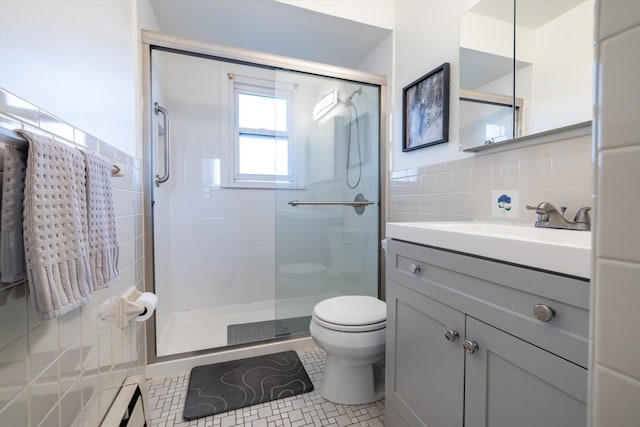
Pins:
x: 151, y: 40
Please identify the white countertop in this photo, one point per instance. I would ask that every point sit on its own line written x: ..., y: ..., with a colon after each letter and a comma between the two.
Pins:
x: 562, y: 251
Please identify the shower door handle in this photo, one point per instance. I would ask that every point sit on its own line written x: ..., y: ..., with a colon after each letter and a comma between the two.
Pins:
x: 157, y: 109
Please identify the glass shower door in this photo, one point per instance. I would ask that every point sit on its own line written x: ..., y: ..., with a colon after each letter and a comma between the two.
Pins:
x: 235, y: 262
x: 325, y: 247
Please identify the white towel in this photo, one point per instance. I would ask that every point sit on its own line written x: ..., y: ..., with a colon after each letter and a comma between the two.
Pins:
x: 103, y: 242
x: 55, y: 227
x: 12, y: 262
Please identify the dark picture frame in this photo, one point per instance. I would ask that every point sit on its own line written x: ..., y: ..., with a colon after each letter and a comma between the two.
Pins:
x: 425, y: 110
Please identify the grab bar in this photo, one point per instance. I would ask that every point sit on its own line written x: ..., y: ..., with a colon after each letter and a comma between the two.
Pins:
x: 359, y: 204
x: 167, y: 158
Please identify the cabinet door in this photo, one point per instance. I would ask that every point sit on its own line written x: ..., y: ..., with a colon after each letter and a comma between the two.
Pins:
x: 510, y: 382
x: 425, y: 375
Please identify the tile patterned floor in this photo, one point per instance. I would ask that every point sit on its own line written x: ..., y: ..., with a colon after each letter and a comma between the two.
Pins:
x: 167, y: 396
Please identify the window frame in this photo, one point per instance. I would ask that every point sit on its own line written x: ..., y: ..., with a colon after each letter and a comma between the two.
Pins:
x: 259, y: 87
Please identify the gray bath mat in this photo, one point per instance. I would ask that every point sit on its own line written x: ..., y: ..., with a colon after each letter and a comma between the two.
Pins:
x: 268, y: 329
x: 226, y: 386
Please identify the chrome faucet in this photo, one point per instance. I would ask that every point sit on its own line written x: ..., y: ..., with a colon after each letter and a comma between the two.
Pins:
x: 550, y: 217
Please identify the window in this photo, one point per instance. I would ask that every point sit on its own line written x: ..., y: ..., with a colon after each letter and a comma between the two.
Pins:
x: 262, y: 140
x: 488, y: 117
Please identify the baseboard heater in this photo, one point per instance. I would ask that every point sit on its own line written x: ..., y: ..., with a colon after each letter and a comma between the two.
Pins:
x: 129, y: 408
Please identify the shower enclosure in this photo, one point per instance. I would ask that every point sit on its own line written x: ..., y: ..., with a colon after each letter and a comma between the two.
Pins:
x: 263, y: 194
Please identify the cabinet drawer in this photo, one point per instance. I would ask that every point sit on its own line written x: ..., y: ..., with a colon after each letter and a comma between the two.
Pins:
x: 500, y: 294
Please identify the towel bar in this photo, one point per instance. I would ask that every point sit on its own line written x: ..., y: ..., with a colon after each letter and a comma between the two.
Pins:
x: 8, y: 285
x: 359, y: 204
x: 12, y: 138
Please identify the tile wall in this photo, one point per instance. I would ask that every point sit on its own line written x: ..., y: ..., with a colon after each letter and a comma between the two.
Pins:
x: 615, y: 381
x: 66, y: 371
x: 461, y: 190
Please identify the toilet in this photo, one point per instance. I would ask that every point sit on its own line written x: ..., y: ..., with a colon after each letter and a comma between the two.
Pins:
x: 351, y: 329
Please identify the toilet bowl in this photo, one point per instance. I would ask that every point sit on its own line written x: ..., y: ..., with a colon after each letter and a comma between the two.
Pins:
x: 351, y: 329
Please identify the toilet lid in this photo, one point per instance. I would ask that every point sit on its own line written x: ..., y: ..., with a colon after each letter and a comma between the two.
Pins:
x: 351, y: 310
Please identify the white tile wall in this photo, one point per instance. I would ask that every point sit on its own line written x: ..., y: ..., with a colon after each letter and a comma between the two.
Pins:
x: 65, y: 371
x: 614, y: 399
x: 617, y: 59
x: 615, y: 366
x: 558, y: 172
x: 618, y: 169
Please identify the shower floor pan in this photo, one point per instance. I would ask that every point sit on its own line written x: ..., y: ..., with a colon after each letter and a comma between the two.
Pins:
x: 203, y: 329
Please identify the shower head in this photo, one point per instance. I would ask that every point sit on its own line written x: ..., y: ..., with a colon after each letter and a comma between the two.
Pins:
x: 330, y: 100
x: 355, y: 92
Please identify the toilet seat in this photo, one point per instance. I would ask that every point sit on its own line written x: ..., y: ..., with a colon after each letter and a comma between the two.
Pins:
x: 352, y: 313
x: 344, y: 328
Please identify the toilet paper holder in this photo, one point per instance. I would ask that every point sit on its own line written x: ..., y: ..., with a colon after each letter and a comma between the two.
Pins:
x: 130, y: 309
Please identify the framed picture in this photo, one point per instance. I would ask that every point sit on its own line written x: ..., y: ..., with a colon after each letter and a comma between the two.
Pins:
x: 425, y: 105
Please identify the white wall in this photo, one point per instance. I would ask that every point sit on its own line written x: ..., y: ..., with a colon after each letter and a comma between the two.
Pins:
x: 562, y: 84
x: 379, y: 13
x: 146, y: 16
x: 486, y: 34
x: 76, y: 60
x: 426, y: 35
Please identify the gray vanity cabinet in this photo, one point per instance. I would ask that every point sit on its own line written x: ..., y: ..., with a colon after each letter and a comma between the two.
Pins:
x: 419, y: 323
x: 510, y: 382
x: 465, y: 349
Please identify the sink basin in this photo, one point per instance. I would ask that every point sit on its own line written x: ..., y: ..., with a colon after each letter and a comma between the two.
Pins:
x: 562, y: 251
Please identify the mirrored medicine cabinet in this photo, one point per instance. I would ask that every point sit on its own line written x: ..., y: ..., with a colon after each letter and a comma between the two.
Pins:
x: 526, y: 69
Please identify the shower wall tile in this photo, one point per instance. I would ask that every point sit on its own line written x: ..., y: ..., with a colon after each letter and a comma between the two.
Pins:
x: 71, y: 404
x: 618, y: 180
x: 85, y: 140
x: 44, y: 395
x: 571, y: 170
x: 535, y: 172
x: 71, y: 367
x: 460, y: 190
x: 618, y: 128
x: 9, y: 123
x: 505, y: 175
x: 16, y: 413
x: 13, y: 311
x: 13, y: 369
x: 55, y: 126
x: 460, y: 180
x: 43, y: 347
x: 20, y: 109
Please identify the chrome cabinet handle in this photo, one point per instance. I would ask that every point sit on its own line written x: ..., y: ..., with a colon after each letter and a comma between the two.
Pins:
x: 543, y: 312
x: 451, y: 334
x: 414, y: 268
x: 470, y: 346
x: 157, y: 109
